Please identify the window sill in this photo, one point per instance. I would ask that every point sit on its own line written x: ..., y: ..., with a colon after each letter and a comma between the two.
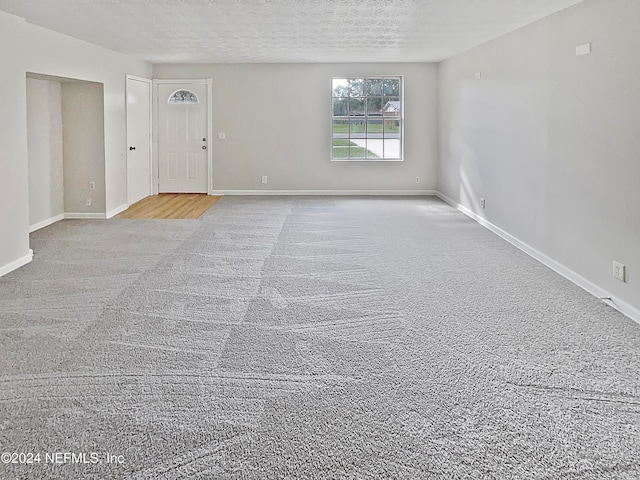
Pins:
x: 367, y: 159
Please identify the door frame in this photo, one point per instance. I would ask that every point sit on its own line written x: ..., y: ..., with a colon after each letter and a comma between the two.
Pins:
x: 151, y: 127
x: 156, y: 133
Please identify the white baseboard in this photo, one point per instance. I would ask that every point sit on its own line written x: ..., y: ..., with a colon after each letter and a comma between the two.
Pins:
x: 623, y: 307
x: 20, y: 262
x: 117, y: 210
x: 84, y: 216
x: 96, y: 216
x: 325, y: 192
x: 45, y: 223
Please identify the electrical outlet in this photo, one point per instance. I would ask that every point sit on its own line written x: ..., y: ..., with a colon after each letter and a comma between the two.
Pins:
x: 483, y: 203
x: 417, y: 179
x: 92, y: 185
x: 619, y: 271
x: 264, y: 179
x: 88, y: 202
x: 583, y: 49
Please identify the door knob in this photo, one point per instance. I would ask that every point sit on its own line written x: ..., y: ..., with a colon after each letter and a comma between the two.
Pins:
x: 204, y: 147
x: 132, y: 148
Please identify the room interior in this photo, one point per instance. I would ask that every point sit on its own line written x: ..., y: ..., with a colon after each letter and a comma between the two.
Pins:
x: 547, y: 185
x: 526, y: 130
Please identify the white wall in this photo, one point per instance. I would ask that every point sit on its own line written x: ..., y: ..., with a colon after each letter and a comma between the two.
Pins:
x: 276, y: 118
x: 27, y: 48
x: 84, y: 160
x: 14, y: 196
x: 551, y: 140
x: 44, y: 135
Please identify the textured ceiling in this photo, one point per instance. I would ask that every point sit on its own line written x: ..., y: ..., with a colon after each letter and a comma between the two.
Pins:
x: 285, y: 31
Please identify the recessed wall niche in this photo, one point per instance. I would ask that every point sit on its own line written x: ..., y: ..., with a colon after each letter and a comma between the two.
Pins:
x: 65, y: 141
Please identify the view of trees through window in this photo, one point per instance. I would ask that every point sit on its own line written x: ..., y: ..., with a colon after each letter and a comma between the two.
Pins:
x: 367, y: 118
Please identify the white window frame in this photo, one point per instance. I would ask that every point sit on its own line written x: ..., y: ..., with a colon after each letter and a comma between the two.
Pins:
x: 365, y: 118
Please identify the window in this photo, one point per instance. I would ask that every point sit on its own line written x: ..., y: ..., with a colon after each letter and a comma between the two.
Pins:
x: 183, y: 96
x: 366, y: 119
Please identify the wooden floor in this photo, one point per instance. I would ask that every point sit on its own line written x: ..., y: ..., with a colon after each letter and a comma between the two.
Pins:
x: 171, y: 206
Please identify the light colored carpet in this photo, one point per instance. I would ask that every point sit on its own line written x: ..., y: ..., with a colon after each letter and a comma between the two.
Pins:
x: 311, y: 338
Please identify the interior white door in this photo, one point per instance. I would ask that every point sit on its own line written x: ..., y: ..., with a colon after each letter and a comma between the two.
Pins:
x: 182, y: 137
x: 139, y: 176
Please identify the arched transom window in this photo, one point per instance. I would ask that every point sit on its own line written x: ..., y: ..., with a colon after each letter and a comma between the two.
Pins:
x: 182, y: 97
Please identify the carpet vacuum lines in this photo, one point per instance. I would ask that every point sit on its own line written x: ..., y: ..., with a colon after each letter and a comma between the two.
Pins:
x: 310, y: 338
